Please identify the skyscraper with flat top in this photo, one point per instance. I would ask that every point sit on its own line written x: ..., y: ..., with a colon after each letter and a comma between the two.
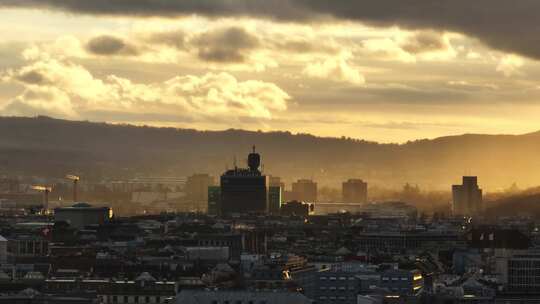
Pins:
x: 467, y: 197
x: 354, y: 191
x: 305, y: 190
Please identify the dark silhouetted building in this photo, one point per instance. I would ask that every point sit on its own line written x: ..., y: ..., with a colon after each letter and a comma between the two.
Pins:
x: 245, y: 190
x: 297, y: 208
x: 354, y: 191
x: 82, y: 214
x: 467, y: 198
x: 305, y: 190
x: 274, y: 199
x: 214, y: 200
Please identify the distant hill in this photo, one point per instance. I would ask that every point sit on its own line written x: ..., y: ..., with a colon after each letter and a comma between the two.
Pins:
x: 50, y: 147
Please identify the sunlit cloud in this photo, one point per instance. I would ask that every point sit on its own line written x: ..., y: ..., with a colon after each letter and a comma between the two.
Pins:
x: 335, y: 69
x: 67, y: 89
x: 510, y: 65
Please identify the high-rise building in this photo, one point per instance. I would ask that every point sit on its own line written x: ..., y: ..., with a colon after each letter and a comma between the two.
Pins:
x: 197, y: 189
x: 305, y: 190
x: 467, y: 197
x: 214, y: 200
x: 245, y: 190
x: 274, y: 199
x: 354, y: 191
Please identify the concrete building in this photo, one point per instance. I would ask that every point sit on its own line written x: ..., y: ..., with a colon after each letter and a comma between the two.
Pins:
x: 240, y: 296
x: 245, y: 190
x: 337, y: 287
x: 519, y: 270
x: 143, y: 289
x: 402, y: 282
x: 81, y: 214
x: 27, y: 245
x: 305, y: 190
x: 354, y: 191
x: 467, y: 197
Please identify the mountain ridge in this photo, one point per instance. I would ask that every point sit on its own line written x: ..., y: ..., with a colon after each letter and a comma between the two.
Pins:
x: 48, y: 147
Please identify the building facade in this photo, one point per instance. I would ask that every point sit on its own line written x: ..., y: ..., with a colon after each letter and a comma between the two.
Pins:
x: 305, y: 190
x: 467, y: 197
x: 245, y: 190
x: 354, y: 191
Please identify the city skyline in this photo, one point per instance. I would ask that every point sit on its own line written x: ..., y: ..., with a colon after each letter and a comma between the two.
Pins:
x: 369, y: 73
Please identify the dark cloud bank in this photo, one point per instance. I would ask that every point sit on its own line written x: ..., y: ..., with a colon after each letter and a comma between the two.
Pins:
x: 502, y: 24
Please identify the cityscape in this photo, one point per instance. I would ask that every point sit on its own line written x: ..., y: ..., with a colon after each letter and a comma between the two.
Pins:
x: 247, y: 237
x: 269, y: 152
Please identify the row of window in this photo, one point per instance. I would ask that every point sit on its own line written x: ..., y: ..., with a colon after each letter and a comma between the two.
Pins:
x: 336, y: 278
x: 395, y: 279
x: 135, y: 299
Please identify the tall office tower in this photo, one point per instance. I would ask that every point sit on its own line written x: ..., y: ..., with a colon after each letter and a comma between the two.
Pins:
x: 245, y: 190
x: 467, y: 197
x: 214, y: 200
x: 197, y: 188
x: 354, y: 191
x: 275, y: 199
x: 305, y: 190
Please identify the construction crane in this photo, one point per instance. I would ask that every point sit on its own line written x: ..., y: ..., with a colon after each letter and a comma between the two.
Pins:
x: 75, y: 180
x: 46, y: 190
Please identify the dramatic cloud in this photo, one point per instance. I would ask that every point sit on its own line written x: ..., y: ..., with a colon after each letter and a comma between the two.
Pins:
x: 62, y: 88
x: 425, y: 42
x: 499, y: 23
x: 109, y: 45
x: 226, y: 45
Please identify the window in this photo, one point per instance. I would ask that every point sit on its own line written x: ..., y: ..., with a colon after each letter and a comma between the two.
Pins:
x: 322, y: 278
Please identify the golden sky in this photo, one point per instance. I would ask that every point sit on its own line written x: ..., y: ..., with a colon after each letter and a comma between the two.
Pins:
x: 389, y: 75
